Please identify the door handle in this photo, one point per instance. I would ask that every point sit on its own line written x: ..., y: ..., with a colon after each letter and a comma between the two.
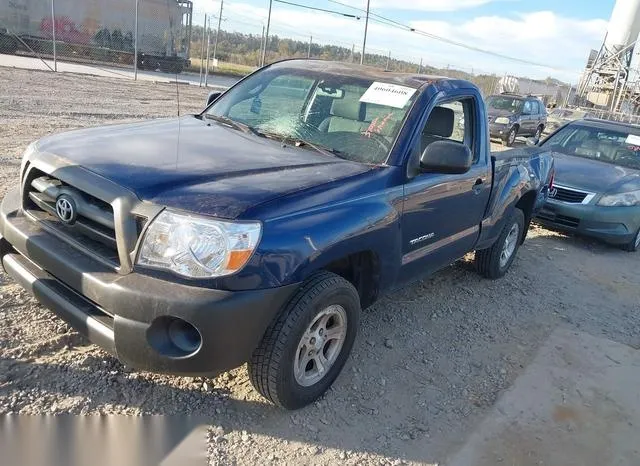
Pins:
x: 477, y: 187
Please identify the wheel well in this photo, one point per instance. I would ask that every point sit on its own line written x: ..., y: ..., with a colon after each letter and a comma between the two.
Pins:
x: 362, y: 270
x: 525, y: 204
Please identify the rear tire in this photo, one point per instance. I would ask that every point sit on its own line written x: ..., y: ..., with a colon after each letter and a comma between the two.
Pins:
x: 510, y: 138
x: 495, y: 261
x: 538, y: 133
x: 278, y: 370
x: 634, y: 244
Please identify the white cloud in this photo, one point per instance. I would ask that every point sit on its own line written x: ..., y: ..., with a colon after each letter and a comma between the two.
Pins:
x: 542, y: 37
x: 422, y: 5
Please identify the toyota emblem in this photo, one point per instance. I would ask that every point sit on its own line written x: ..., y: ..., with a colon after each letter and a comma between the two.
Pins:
x: 66, y: 209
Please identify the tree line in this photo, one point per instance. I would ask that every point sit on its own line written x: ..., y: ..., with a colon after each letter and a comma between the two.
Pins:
x: 246, y: 49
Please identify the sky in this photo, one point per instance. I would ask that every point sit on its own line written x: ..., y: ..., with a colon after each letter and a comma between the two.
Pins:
x: 555, y: 33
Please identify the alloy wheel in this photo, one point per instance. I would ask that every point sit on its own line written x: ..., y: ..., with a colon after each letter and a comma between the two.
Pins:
x: 320, y: 345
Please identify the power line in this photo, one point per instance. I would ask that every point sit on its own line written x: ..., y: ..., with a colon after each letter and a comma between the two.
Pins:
x: 284, y: 27
x: 390, y: 22
x: 339, y: 13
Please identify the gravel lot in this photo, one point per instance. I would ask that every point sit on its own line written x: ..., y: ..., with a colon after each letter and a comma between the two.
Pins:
x: 430, y: 360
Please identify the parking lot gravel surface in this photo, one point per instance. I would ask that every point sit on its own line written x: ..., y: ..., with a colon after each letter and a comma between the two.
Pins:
x: 429, y: 362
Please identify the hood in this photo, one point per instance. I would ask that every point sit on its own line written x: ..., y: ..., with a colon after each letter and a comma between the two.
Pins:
x: 495, y: 112
x: 196, y: 165
x: 594, y: 176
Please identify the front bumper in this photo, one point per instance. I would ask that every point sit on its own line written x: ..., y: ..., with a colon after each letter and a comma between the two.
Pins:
x: 118, y: 312
x: 497, y: 130
x: 615, y: 225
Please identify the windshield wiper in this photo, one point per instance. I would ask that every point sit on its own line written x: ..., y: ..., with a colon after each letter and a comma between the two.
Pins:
x: 234, y: 124
x: 329, y: 151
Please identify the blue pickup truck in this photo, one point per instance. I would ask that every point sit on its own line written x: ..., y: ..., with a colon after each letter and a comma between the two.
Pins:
x: 257, y: 230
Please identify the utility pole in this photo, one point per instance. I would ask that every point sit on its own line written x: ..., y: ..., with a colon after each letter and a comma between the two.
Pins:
x: 261, y: 45
x: 309, y: 50
x: 566, y: 101
x: 53, y: 34
x: 135, y: 46
x: 266, y: 37
x: 204, y: 34
x: 420, y: 67
x: 388, y: 60
x: 215, y: 45
x: 206, y: 71
x: 366, y: 26
x: 353, y: 51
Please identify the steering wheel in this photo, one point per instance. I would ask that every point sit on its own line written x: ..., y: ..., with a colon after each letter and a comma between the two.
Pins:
x: 379, y: 139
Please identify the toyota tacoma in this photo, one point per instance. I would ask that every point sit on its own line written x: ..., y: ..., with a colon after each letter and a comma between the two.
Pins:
x: 257, y: 230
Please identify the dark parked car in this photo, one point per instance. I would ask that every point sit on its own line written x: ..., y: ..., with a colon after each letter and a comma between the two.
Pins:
x: 512, y: 115
x: 256, y: 230
x: 597, y: 183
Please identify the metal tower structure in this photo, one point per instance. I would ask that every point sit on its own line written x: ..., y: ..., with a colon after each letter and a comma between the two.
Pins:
x: 606, y: 80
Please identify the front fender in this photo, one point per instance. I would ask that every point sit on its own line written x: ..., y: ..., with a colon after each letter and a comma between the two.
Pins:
x: 297, y: 245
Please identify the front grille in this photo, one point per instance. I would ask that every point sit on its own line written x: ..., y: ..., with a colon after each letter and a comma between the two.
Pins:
x: 93, y: 228
x: 572, y: 196
x: 560, y: 220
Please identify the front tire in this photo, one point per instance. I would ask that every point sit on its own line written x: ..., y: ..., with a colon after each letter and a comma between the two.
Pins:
x: 495, y: 261
x: 306, y: 346
x: 634, y: 244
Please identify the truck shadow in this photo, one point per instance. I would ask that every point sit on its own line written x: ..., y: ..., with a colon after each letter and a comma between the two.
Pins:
x: 430, y: 361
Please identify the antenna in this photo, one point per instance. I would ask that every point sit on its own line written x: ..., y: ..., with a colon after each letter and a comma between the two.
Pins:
x: 178, y: 93
x: 174, y: 46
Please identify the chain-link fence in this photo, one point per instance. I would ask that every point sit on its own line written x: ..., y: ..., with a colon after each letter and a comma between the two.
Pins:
x: 614, y: 116
x: 111, y: 35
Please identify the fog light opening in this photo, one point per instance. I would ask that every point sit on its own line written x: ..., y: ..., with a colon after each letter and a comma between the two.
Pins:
x: 174, y: 337
x: 184, y: 335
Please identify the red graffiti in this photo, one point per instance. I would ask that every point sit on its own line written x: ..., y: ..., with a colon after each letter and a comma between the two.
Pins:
x: 66, y: 30
x: 377, y: 125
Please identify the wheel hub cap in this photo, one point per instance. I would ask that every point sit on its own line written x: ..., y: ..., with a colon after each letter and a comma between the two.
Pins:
x: 320, y: 345
x: 510, y: 244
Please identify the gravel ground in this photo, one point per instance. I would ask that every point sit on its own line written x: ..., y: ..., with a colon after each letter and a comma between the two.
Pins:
x: 431, y: 359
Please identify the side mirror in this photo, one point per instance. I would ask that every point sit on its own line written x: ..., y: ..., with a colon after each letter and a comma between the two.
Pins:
x: 532, y: 142
x: 213, y: 96
x: 446, y: 156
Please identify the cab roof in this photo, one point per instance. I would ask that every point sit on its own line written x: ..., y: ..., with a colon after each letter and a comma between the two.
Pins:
x: 412, y: 80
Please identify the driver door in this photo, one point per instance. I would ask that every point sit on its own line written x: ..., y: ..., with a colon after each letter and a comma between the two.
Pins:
x: 442, y: 212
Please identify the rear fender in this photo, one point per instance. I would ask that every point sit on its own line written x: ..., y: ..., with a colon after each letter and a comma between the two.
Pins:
x: 512, y: 181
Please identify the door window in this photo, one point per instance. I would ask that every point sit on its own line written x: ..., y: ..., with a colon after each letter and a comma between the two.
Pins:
x: 450, y: 121
x: 539, y: 110
x: 528, y: 107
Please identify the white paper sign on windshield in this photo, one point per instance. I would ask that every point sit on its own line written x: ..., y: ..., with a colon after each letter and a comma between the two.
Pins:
x: 392, y: 95
x: 633, y: 140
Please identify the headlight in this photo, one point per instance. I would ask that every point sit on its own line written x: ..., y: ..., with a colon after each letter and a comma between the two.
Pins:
x: 502, y: 120
x: 620, y: 200
x: 198, y: 247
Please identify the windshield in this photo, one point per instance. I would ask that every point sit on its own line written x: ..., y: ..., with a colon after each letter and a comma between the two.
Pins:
x: 616, y: 147
x: 514, y: 105
x: 356, y: 119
